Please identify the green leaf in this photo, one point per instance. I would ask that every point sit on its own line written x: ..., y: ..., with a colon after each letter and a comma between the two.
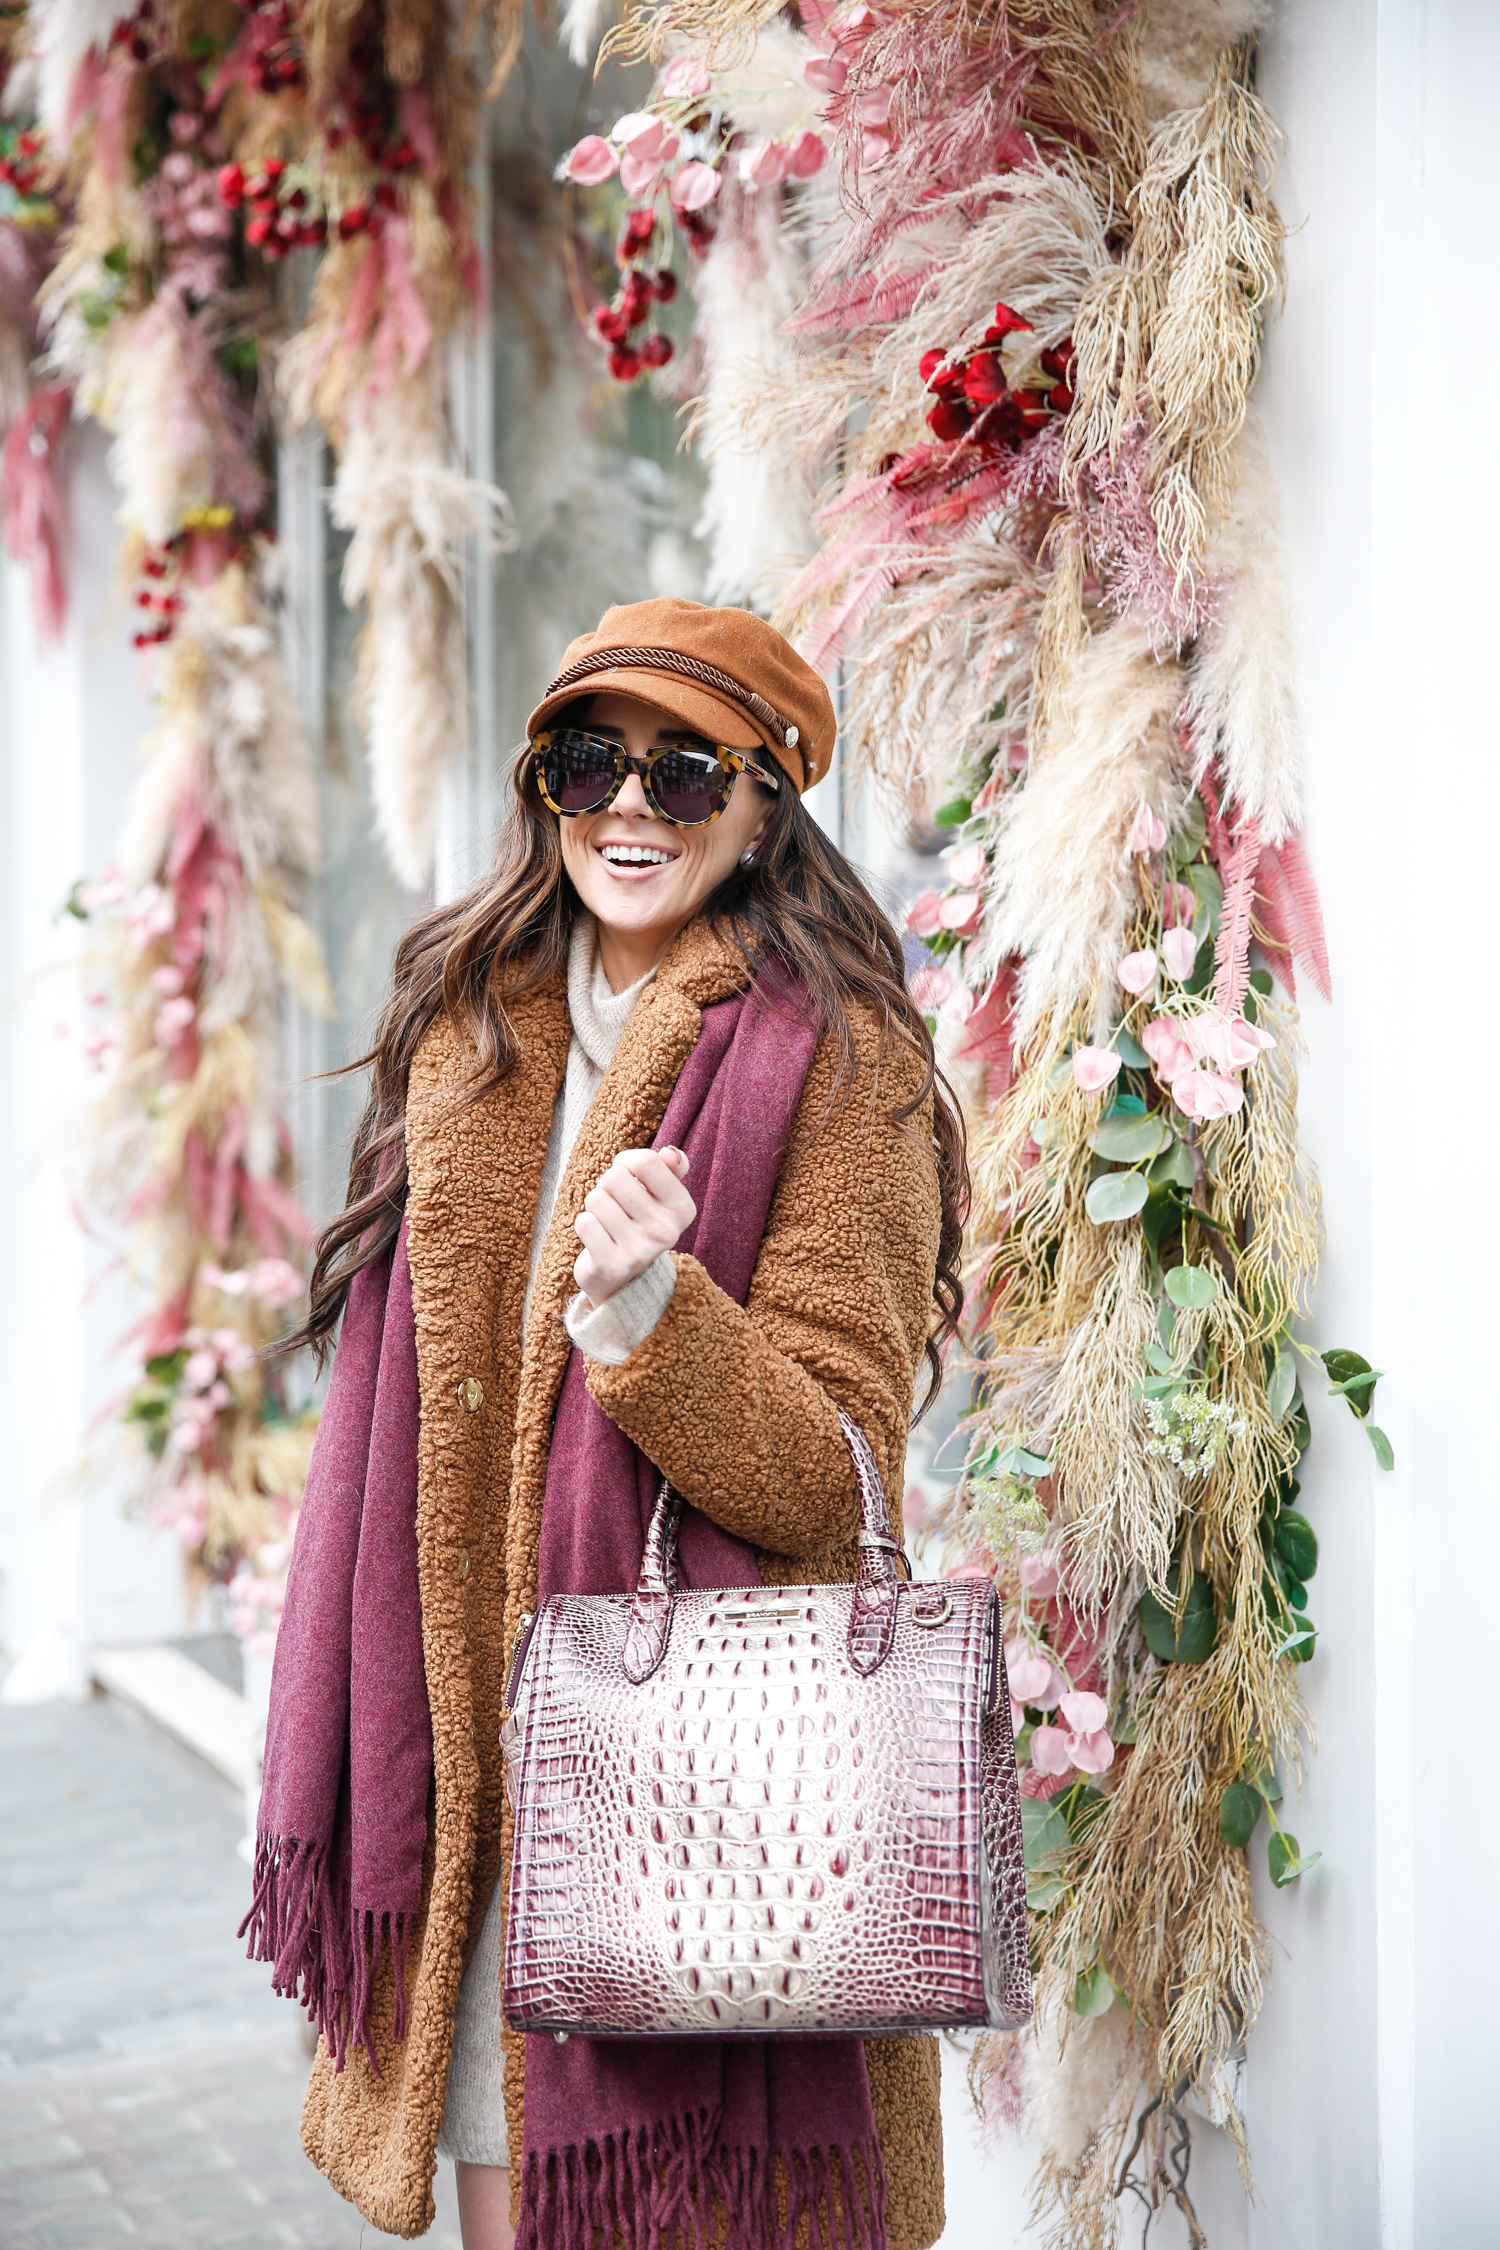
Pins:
x: 1134, y: 1057
x: 1192, y: 1285
x: 1240, y: 1808
x: 1094, y: 1993
x: 1126, y: 1140
x: 1301, y: 1645
x: 1352, y: 1377
x: 1296, y: 1593
x: 952, y: 815
x: 1043, y: 1892
x: 1260, y: 980
x: 1209, y: 892
x: 1019, y: 1463
x: 1203, y: 969
x: 1190, y: 1641
x: 1158, y: 1358
x: 1166, y: 1321
x: 1285, y: 1861
x: 1115, y: 1195
x: 1382, y: 1444
x: 1161, y: 1217
x: 1044, y: 1832
x: 1191, y: 832
x: 1296, y: 1543
x: 1282, y: 1388
x: 1174, y: 1166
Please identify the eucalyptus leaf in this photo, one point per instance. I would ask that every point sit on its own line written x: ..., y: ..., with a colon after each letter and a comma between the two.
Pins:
x: 1134, y: 1057
x: 1282, y: 1388
x: 1044, y: 1831
x: 952, y: 815
x: 1174, y: 1166
x: 1209, y: 892
x: 1115, y: 1195
x: 1126, y: 1140
x: 1192, y: 1285
x: 1094, y: 1993
x: 1285, y: 1860
x: 1296, y: 1543
x: 1240, y: 1808
x: 1166, y: 1321
x: 1189, y: 1641
x: 1384, y: 1452
x: 1260, y: 980
x: 1159, y: 1359
x: 1130, y: 1104
x: 1018, y: 1462
x: 1346, y: 1372
x: 1043, y: 1892
x: 1191, y: 832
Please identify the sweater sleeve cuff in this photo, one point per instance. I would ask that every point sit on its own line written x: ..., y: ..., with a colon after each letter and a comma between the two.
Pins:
x: 612, y: 1331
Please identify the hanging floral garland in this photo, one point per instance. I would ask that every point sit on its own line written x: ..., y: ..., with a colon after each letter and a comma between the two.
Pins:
x: 1022, y: 357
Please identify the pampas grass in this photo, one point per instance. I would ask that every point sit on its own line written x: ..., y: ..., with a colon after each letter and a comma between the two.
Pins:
x: 408, y: 510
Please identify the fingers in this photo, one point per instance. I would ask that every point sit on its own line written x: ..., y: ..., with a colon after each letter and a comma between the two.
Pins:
x: 638, y: 1209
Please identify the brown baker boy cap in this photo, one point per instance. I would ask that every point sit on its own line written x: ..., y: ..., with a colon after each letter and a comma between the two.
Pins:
x: 725, y: 673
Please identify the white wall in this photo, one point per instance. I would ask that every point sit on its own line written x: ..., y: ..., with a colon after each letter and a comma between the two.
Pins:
x: 73, y: 1570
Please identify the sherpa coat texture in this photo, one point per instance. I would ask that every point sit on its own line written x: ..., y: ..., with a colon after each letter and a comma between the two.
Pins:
x: 737, y: 1405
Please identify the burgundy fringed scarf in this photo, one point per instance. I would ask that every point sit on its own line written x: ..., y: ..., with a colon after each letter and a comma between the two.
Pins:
x: 655, y: 2142
x: 645, y: 2140
x: 343, y: 1807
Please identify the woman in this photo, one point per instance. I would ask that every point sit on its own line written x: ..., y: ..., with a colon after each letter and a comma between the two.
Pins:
x: 673, y: 987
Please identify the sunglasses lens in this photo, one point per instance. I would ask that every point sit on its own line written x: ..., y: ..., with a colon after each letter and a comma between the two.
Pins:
x: 689, y: 786
x: 578, y: 770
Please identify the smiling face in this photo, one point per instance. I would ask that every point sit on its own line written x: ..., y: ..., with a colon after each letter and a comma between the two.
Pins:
x: 641, y: 878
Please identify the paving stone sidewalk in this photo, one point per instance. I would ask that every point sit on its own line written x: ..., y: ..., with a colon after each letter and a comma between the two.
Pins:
x: 150, y: 2082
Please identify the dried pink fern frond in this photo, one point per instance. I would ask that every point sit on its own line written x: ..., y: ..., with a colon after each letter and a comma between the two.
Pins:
x: 1232, y: 949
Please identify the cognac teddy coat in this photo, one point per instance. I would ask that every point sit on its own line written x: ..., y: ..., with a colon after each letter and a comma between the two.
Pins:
x: 737, y: 1405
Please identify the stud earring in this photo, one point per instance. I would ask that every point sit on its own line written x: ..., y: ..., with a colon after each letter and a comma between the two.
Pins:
x: 747, y: 859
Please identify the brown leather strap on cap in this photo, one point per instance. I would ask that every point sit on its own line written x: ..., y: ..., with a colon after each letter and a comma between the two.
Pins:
x: 687, y: 668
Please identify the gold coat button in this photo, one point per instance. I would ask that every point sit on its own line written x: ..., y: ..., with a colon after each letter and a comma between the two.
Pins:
x: 471, y: 1393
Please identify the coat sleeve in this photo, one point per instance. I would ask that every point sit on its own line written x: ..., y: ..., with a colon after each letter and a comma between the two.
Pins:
x: 738, y: 1406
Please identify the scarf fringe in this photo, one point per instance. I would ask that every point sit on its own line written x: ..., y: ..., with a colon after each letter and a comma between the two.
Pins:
x: 324, y: 1951
x: 660, y: 2188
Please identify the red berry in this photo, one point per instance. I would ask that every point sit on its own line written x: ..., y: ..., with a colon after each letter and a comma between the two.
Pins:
x: 273, y: 167
x: 639, y: 228
x: 259, y: 229
x: 949, y: 419
x: 1058, y: 363
x: 385, y: 196
x: 143, y: 599
x: 231, y: 179
x: 139, y: 49
x: 1060, y: 398
x: 1007, y: 323
x: 610, y: 323
x: 656, y: 350
x: 929, y: 363
x: 352, y: 222
x: 624, y: 364
x: 664, y: 286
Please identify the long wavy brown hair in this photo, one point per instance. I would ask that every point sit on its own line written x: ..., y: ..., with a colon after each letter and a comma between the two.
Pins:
x: 801, y: 904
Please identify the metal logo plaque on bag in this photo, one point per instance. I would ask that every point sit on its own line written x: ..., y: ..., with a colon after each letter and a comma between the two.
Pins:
x: 769, y: 1808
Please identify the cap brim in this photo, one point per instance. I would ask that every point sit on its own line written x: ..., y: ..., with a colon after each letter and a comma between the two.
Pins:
x: 695, y: 707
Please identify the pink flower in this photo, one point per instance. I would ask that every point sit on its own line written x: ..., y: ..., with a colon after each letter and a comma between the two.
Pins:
x: 1178, y: 903
x: 1049, y: 1749
x: 172, y: 1019
x: 874, y: 108
x: 930, y: 987
x: 685, y: 75
x: 1202, y: 1093
x: 966, y: 867
x: 824, y: 74
x: 200, y: 1369
x: 1148, y: 833
x: 1164, y: 1042
x: 1084, y: 1713
x: 694, y: 186
x: 1030, y: 1677
x: 640, y: 176
x: 275, y: 1281
x: 924, y: 916
x: 960, y: 912
x: 1137, y: 972
x: 168, y: 980
x: 874, y: 150
x: 590, y: 162
x: 1094, y: 1068
x: 766, y: 164
x: 995, y: 788
x: 1017, y: 1718
x: 1038, y: 1573
x: 639, y: 133
x: 808, y: 154
x: 1091, y: 1753
x: 960, y: 1003
x: 1179, y: 949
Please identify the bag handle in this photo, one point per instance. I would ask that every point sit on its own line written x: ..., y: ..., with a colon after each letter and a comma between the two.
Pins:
x: 872, y: 1621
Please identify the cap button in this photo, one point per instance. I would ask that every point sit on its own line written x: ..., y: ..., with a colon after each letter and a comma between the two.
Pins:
x: 793, y: 737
